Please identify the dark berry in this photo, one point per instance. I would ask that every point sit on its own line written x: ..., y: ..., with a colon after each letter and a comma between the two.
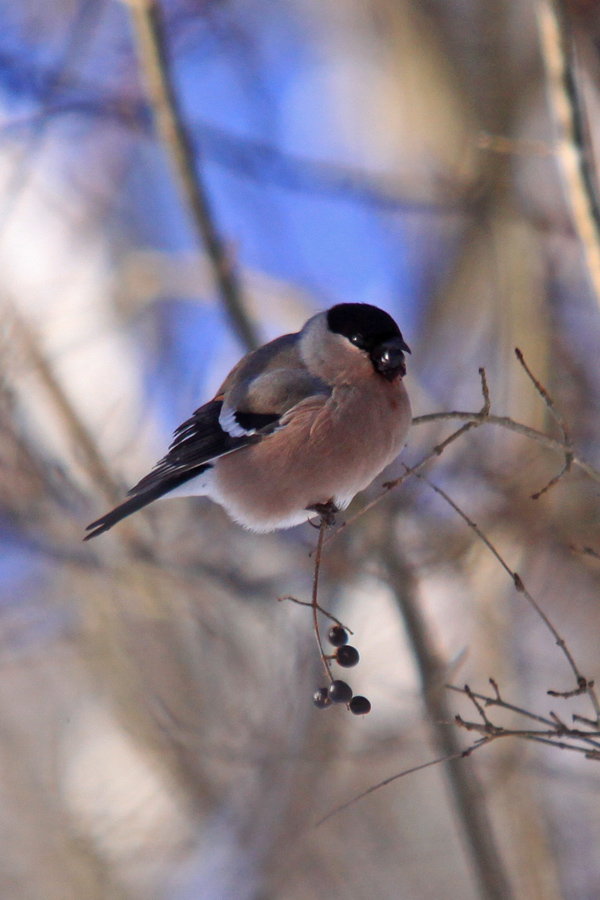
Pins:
x: 321, y: 698
x: 339, y: 692
x: 347, y: 656
x: 360, y: 706
x: 337, y: 636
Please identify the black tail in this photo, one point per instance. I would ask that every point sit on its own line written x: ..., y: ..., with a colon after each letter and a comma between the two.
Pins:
x: 121, y: 512
x: 138, y: 501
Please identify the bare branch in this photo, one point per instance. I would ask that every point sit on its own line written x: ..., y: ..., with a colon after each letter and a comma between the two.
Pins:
x: 385, y: 782
x: 559, y: 421
x: 583, y: 685
x: 586, y: 551
x: 323, y: 525
x: 510, y: 425
x: 544, y: 395
x: 318, y: 607
x: 498, y: 701
x: 554, y: 734
x: 474, y: 420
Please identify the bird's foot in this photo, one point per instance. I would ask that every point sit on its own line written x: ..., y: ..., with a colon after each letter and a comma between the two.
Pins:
x: 326, y: 512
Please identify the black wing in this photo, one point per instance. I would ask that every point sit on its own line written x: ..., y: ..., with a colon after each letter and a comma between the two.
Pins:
x: 196, y: 443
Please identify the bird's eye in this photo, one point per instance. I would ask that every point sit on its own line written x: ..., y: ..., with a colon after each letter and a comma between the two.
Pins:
x: 356, y: 339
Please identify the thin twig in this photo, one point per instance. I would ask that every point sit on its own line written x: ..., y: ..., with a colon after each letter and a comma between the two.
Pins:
x: 584, y: 720
x: 326, y: 521
x: 552, y: 735
x: 154, y: 61
x: 544, y: 395
x: 583, y: 685
x: 381, y: 784
x: 576, y: 692
x: 497, y: 701
x: 559, y: 421
x: 537, y: 737
x: 475, y: 420
x: 474, y: 700
x: 586, y: 551
x: 555, y: 729
x: 323, y: 525
x: 555, y: 479
x: 312, y: 605
x: 505, y: 422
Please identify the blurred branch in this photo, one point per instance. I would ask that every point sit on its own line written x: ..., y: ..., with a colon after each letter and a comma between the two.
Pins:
x: 497, y: 143
x: 254, y: 160
x: 467, y: 793
x: 81, y: 439
x: 573, y: 149
x: 81, y: 33
x: 152, y: 51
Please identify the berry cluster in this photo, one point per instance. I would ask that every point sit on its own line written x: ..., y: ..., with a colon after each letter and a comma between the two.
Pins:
x: 338, y: 691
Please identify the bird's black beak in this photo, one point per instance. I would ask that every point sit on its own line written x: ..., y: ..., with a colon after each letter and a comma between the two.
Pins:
x: 388, y: 358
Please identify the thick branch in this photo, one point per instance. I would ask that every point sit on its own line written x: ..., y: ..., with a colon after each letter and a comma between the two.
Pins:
x: 468, y: 797
x: 572, y: 147
x: 152, y: 51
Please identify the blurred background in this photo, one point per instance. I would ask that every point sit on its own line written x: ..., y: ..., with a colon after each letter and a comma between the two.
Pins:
x: 157, y: 736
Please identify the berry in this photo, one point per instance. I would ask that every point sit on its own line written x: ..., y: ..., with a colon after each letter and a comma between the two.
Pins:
x: 339, y: 692
x: 360, y: 706
x: 347, y: 656
x: 321, y: 698
x: 337, y: 636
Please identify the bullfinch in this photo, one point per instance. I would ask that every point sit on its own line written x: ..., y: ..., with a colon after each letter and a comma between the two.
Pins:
x: 299, y: 426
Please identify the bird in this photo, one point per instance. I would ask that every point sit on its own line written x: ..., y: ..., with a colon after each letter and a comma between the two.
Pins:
x: 298, y: 427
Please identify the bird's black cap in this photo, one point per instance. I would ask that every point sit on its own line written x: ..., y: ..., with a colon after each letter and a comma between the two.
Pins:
x: 364, y: 325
